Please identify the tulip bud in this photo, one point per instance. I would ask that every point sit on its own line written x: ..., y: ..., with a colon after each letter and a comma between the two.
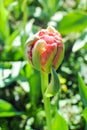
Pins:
x: 45, y: 49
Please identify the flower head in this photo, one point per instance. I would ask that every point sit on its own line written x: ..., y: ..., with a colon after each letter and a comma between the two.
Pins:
x: 45, y: 49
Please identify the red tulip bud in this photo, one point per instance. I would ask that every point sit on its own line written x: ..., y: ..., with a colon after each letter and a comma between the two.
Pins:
x: 45, y: 49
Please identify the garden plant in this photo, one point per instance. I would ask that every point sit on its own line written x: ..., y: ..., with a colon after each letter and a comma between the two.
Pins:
x: 45, y: 51
x: 43, y: 64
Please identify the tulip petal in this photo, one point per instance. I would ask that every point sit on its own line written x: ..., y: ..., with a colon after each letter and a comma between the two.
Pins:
x: 59, y: 56
x: 36, y: 53
x: 48, y: 56
x: 31, y: 39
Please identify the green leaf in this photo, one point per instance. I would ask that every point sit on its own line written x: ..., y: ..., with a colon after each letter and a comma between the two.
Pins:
x: 82, y: 90
x: 8, y: 81
x: 85, y: 117
x: 49, y: 5
x: 12, y: 37
x: 8, y: 2
x: 74, y: 21
x: 85, y: 114
x: 5, y: 65
x: 53, y: 5
x: 4, y: 26
x: 7, y: 110
x: 35, y: 86
x: 80, y: 42
x: 54, y: 84
x: 59, y: 123
x: 43, y: 3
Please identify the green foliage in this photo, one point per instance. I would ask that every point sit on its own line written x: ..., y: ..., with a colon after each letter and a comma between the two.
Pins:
x: 4, y: 26
x: 7, y: 110
x: 35, y: 89
x: 20, y: 84
x: 85, y: 114
x: 54, y: 85
x: 83, y: 90
x: 80, y: 42
x: 59, y: 122
x: 85, y: 117
x: 49, y: 6
x: 75, y: 21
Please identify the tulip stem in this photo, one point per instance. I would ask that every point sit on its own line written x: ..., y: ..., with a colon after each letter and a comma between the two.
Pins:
x: 44, y: 84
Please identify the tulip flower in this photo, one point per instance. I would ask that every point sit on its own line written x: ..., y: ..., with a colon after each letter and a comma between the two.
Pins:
x: 45, y: 49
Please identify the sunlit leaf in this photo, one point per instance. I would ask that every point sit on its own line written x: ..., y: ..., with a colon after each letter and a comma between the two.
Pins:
x: 59, y: 123
x: 82, y: 90
x: 80, y: 42
x: 12, y: 37
x: 85, y: 114
x: 8, y: 2
x: 7, y: 110
x: 6, y: 65
x: 74, y: 21
x: 4, y: 27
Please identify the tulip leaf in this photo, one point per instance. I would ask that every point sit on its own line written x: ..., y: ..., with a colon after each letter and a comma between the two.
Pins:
x: 54, y: 84
x: 82, y: 90
x: 59, y: 123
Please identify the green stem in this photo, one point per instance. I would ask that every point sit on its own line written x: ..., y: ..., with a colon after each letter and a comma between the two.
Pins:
x: 44, y: 84
x: 25, y: 17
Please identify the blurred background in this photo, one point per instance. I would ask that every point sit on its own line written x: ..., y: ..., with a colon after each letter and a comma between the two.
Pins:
x: 21, y: 106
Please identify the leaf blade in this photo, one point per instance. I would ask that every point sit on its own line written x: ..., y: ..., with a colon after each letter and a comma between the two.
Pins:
x: 7, y: 110
x: 74, y: 21
x: 82, y: 90
x: 59, y: 123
